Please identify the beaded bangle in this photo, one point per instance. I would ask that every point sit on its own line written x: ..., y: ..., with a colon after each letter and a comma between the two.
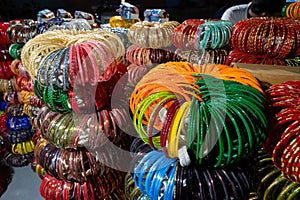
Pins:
x: 152, y: 34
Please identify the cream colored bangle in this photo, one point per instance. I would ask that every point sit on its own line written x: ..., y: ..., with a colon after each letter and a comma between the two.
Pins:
x: 152, y: 34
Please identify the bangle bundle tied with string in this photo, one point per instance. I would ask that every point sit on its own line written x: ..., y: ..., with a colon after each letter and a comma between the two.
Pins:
x: 214, y: 114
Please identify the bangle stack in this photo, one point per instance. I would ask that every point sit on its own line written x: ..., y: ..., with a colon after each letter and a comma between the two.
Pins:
x: 173, y: 109
x: 152, y: 34
x: 291, y: 10
x: 184, y: 35
x: 201, y: 41
x: 21, y: 31
x: 216, y: 56
x: 283, y: 137
x: 121, y: 22
x: 213, y: 35
x: 122, y: 33
x: 265, y: 40
x: 270, y: 183
x: 5, y: 57
x: 151, y: 45
x: 189, y: 182
x: 75, y: 76
x: 18, y: 132
x: 149, y: 56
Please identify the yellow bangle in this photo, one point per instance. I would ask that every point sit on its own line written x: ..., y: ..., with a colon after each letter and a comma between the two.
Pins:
x: 176, y: 130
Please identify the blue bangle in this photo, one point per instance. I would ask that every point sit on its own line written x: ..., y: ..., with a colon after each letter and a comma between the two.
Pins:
x: 18, y: 123
x: 142, y: 168
x: 169, y: 190
x: 159, y: 177
x: 3, y: 105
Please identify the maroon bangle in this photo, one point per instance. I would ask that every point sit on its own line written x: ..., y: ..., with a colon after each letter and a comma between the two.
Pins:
x: 166, y: 126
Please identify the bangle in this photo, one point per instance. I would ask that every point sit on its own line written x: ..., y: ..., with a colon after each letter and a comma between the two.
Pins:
x: 152, y: 34
x: 282, y: 104
x: 121, y: 22
x: 14, y: 137
x: 146, y: 56
x: 183, y: 36
x: 15, y: 110
x: 15, y: 50
x: 3, y: 35
x: 254, y: 31
x: 122, y: 33
x: 18, y: 123
x: 71, y: 169
x: 72, y: 24
x: 56, y: 100
x: 21, y: 31
x: 291, y: 10
x: 17, y: 160
x: 216, y: 56
x: 94, y: 187
x: 23, y: 147
x: 57, y: 44
x: 213, y: 34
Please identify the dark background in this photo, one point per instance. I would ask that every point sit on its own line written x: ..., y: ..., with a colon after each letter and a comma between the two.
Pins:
x: 178, y: 9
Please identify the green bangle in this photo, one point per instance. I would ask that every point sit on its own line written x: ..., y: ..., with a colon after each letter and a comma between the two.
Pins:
x: 294, y: 194
x: 273, y: 191
x: 229, y: 139
x: 167, y: 96
x: 288, y: 190
x: 140, y: 111
x: 38, y: 90
x: 266, y: 181
x: 191, y: 124
x: 15, y: 50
